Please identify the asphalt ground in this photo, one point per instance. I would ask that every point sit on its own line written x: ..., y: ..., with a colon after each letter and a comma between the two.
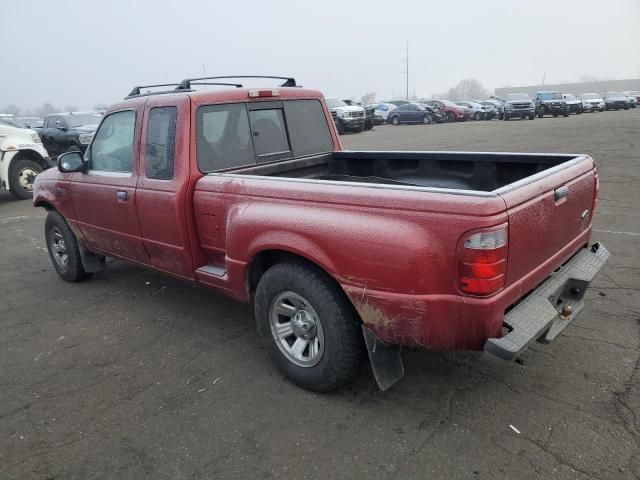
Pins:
x: 132, y: 374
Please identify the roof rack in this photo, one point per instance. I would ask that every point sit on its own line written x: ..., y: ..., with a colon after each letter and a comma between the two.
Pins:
x: 135, y: 91
x: 186, y: 83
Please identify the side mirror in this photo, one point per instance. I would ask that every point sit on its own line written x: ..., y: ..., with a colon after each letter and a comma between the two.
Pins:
x: 60, y: 126
x: 71, y: 162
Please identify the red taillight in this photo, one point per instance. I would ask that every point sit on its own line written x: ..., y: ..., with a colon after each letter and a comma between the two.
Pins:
x: 482, y: 260
x: 263, y: 93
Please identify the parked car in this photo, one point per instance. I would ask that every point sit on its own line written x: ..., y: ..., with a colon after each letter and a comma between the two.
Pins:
x: 633, y: 97
x: 410, y: 113
x: 451, y: 111
x: 71, y: 131
x: 369, y: 113
x: 550, y: 103
x: 573, y: 103
x: 518, y: 105
x: 437, y: 115
x: 340, y: 253
x: 382, y: 110
x: 616, y: 101
x: 594, y: 101
x: 633, y: 93
x: 22, y: 158
x: 476, y: 110
x: 348, y: 118
x: 498, y: 105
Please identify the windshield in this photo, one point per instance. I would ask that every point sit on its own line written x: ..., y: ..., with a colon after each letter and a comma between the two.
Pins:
x: 590, y: 96
x: 551, y: 96
x: 569, y: 96
x: 80, y: 119
x: 334, y: 102
x: 9, y: 122
x: 517, y: 96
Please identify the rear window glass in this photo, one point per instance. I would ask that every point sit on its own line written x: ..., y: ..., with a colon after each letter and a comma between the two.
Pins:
x: 308, y: 129
x: 237, y: 135
x: 223, y: 137
x: 269, y: 134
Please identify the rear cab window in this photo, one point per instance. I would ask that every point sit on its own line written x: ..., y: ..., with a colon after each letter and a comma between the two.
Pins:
x: 244, y: 134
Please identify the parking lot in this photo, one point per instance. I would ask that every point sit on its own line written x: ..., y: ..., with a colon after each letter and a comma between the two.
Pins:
x: 135, y: 375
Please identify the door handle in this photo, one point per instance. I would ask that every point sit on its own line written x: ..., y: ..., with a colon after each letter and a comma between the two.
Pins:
x: 560, y: 193
x: 122, y: 195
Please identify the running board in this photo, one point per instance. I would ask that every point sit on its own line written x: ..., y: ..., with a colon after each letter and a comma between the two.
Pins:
x: 212, y: 270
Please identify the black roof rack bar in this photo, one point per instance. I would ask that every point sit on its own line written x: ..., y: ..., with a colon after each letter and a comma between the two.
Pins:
x: 136, y: 90
x: 186, y: 83
x: 237, y: 85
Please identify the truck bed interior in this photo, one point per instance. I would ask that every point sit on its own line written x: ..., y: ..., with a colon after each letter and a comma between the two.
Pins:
x: 484, y: 172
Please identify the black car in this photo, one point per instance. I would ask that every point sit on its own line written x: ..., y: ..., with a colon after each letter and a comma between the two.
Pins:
x: 71, y: 131
x: 550, y: 103
x: 410, y: 113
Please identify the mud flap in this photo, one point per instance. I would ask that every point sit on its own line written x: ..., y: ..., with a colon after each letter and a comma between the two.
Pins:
x: 90, y: 261
x: 386, y: 362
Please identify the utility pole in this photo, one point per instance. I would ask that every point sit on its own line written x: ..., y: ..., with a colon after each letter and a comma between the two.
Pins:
x: 544, y: 77
x: 407, y: 68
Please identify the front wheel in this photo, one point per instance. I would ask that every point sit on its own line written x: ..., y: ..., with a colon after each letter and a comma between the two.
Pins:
x: 22, y: 174
x: 427, y: 119
x: 63, y: 248
x: 308, y: 327
x: 395, y: 121
x: 451, y: 117
x: 477, y: 116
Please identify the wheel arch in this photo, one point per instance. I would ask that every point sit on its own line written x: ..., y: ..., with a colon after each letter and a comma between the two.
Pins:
x: 26, y: 154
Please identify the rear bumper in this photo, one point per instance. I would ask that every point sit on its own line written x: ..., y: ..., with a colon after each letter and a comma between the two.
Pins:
x: 549, y: 309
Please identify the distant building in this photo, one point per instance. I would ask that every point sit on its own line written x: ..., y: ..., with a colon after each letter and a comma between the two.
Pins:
x: 576, y: 88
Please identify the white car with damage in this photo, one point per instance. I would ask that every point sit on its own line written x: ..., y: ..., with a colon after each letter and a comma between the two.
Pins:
x: 22, y: 158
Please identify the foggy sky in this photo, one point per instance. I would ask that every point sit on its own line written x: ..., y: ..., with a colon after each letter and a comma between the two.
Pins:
x: 78, y: 53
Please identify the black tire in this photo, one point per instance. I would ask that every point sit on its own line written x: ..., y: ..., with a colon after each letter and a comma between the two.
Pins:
x: 540, y: 113
x: 59, y: 236
x: 343, y: 349
x: 555, y: 115
x: 340, y: 128
x: 566, y: 113
x: 505, y: 117
x: 532, y: 116
x: 626, y: 108
x: 477, y: 116
x: 22, y: 174
x: 450, y: 117
x: 395, y: 120
x: 426, y: 120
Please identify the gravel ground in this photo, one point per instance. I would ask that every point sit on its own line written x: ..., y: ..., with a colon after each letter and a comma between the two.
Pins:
x: 135, y: 375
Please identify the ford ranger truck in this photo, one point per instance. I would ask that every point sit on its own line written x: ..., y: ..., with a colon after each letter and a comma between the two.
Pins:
x: 342, y: 253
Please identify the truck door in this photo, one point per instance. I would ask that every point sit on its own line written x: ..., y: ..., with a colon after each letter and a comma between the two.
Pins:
x: 161, y: 193
x: 48, y: 133
x: 104, y: 197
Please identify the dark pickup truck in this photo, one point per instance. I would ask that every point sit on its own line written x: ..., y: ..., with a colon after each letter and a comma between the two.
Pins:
x: 248, y: 192
x: 71, y: 131
x: 551, y: 103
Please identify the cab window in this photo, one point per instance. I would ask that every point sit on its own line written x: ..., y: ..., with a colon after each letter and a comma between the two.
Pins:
x: 112, y: 146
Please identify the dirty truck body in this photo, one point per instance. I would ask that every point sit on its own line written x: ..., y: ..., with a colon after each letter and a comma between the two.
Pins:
x: 442, y: 250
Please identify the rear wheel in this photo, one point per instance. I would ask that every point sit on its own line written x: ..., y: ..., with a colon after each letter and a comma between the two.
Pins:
x: 308, y: 327
x: 63, y: 248
x: 22, y: 174
x: 395, y: 120
x: 427, y: 119
x: 451, y: 117
x: 477, y: 116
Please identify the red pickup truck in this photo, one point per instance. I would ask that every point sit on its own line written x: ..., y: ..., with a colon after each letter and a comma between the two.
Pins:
x: 248, y: 191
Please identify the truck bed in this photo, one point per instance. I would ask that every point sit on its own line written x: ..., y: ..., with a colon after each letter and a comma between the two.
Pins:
x: 482, y: 172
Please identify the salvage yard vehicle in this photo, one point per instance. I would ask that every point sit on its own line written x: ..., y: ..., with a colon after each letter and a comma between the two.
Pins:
x: 633, y: 98
x: 381, y: 111
x: 574, y: 104
x: 248, y: 191
x: 616, y: 101
x: 348, y: 118
x: 451, y: 111
x: 71, y: 131
x: 410, y: 113
x: 478, y: 111
x: 518, y: 105
x: 550, y: 103
x: 22, y: 158
x: 594, y: 101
